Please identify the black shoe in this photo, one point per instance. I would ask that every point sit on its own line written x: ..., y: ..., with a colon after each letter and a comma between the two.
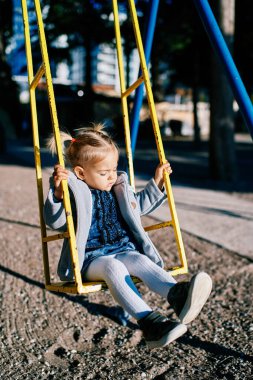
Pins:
x: 188, y: 298
x: 159, y: 331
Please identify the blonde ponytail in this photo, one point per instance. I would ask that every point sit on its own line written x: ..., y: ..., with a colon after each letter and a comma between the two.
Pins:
x: 89, y: 144
x: 95, y: 128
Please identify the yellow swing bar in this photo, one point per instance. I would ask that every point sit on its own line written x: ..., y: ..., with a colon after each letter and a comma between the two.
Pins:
x: 78, y: 287
x: 126, y: 92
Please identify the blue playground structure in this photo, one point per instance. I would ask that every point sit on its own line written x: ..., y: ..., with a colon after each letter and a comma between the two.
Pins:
x: 220, y: 47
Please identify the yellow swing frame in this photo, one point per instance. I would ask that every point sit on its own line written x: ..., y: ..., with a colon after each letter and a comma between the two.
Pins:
x: 77, y: 286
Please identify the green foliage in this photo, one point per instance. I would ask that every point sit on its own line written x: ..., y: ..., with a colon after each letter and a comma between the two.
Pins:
x: 80, y: 20
x: 181, y: 42
x: 8, y: 89
x: 6, y: 8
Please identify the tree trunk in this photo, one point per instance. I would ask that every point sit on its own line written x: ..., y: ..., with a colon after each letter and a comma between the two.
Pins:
x: 195, y: 116
x: 195, y: 97
x: 222, y: 158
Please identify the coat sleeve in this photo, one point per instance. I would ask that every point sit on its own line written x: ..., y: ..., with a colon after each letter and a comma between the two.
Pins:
x: 54, y: 212
x: 150, y: 198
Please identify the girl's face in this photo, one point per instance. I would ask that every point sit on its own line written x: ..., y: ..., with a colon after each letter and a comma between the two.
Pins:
x: 101, y: 175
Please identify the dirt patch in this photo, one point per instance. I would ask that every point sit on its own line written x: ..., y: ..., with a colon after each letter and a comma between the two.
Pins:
x: 52, y: 336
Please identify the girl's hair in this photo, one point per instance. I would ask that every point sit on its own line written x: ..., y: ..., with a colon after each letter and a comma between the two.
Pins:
x: 89, y: 144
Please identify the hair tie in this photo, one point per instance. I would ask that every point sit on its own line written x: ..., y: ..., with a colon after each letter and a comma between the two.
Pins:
x: 73, y: 140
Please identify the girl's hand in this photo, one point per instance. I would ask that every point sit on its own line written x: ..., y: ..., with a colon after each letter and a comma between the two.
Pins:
x: 159, y: 174
x: 59, y: 174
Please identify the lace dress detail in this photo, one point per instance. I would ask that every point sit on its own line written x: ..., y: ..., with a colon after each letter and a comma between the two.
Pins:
x: 108, y: 226
x: 109, y: 233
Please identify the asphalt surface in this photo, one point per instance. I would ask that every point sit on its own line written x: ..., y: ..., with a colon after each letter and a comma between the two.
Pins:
x: 45, y: 335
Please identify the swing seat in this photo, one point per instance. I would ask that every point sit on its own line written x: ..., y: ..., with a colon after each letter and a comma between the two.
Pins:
x: 94, y: 286
x: 87, y: 287
x: 71, y: 287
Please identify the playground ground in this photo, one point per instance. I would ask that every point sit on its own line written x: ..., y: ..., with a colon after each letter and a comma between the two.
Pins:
x: 54, y: 336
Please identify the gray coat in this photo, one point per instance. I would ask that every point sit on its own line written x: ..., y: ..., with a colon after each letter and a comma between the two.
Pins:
x: 132, y: 206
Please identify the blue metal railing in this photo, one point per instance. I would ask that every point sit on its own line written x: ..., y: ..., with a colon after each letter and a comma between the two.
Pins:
x: 138, y: 99
x: 224, y: 54
x: 220, y: 47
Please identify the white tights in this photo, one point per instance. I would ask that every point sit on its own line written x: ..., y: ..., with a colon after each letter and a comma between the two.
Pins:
x: 116, y: 269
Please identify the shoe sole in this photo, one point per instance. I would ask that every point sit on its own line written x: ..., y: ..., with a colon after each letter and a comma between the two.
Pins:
x: 198, y: 294
x: 172, y: 335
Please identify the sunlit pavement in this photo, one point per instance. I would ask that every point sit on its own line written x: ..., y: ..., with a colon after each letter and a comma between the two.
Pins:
x: 216, y: 216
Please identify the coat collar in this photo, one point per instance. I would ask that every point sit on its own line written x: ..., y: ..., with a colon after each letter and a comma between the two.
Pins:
x: 121, y: 178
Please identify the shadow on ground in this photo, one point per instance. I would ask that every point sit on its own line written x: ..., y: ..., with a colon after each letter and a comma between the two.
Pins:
x: 190, y: 164
x: 117, y: 315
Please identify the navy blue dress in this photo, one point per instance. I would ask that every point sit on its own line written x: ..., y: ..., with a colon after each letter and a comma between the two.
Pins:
x: 109, y: 233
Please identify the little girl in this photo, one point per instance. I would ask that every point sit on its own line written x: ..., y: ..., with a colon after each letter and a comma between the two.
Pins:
x: 112, y: 244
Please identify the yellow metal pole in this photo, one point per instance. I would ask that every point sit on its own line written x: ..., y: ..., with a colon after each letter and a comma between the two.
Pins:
x: 123, y: 90
x: 52, y: 105
x: 158, y: 226
x: 130, y: 89
x: 37, y: 77
x: 157, y: 134
x: 35, y: 138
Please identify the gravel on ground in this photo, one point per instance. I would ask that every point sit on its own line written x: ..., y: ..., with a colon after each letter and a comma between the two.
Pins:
x: 46, y: 335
